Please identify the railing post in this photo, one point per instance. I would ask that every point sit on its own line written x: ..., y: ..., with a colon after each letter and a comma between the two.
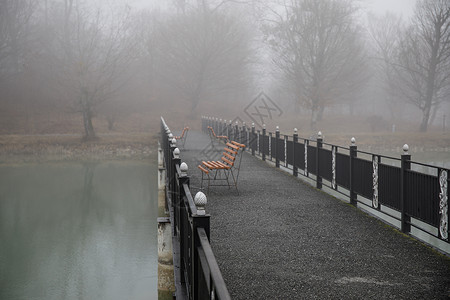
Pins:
x: 353, y: 154
x: 217, y: 129
x: 294, y: 163
x: 277, y: 138
x: 168, y: 156
x: 253, y: 139
x: 174, y: 193
x: 264, y: 142
x: 184, y: 178
x: 236, y: 131
x: 319, y: 145
x: 258, y: 141
x: 173, y: 171
x: 167, y: 149
x: 243, y: 134
x: 201, y: 219
x: 405, y: 165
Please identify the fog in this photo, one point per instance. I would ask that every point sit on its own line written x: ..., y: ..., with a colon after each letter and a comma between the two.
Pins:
x: 99, y: 67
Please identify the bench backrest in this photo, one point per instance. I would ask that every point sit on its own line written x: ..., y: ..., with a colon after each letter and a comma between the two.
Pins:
x: 212, y: 131
x: 231, y: 152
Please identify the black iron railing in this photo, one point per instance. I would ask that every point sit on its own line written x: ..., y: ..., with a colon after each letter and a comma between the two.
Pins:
x: 389, y: 185
x: 199, y: 274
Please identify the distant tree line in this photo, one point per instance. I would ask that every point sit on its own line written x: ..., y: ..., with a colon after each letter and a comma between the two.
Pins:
x: 210, y: 50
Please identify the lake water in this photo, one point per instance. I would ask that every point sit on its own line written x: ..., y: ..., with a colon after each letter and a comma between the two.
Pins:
x: 78, y: 231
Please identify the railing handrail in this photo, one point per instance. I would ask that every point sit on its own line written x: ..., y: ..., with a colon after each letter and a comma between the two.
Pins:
x: 216, y: 275
x: 191, y: 228
x: 190, y: 200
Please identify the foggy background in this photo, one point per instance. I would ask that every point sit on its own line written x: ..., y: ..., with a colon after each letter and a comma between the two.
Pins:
x: 102, y: 67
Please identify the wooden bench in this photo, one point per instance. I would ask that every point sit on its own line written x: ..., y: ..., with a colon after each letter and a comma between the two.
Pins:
x: 182, y: 138
x: 214, y: 137
x: 226, y: 171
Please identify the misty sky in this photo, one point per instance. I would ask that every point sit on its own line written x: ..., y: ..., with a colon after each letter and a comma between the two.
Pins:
x: 403, y: 7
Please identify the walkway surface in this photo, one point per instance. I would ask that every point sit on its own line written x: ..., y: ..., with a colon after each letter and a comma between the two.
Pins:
x: 280, y: 238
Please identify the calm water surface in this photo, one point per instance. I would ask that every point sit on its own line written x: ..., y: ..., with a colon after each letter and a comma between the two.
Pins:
x: 78, y: 231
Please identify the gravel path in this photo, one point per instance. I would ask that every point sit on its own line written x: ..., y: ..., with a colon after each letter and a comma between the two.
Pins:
x: 280, y: 238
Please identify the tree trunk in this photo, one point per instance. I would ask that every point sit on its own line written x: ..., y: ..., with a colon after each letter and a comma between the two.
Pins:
x: 320, y: 113
x: 88, y: 128
x: 89, y: 133
x: 425, y: 118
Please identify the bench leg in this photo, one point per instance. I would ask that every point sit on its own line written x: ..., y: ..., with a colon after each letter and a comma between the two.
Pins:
x: 234, y: 181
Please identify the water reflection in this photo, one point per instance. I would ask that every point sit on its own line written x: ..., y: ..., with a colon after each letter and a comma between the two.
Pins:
x: 78, y: 231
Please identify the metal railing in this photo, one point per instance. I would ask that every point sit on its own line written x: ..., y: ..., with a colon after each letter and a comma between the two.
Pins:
x: 199, y: 274
x: 388, y: 185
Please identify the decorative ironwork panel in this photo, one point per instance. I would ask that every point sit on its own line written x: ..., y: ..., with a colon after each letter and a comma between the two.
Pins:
x: 299, y: 155
x: 375, y: 160
x: 422, y: 194
x: 312, y: 168
x: 290, y: 152
x: 443, y: 204
x: 253, y: 143
x: 272, y: 146
x: 333, y: 167
x: 258, y: 145
x: 325, y: 164
x: 362, y: 177
x: 389, y: 186
x: 286, y: 138
x: 306, y: 157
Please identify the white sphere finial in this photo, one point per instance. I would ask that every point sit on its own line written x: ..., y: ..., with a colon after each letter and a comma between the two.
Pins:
x: 236, y: 122
x: 353, y: 141
x: 183, y: 169
x: 264, y: 126
x: 319, y: 134
x: 253, y: 124
x: 174, y: 141
x: 405, y: 149
x: 277, y: 128
x: 295, y: 131
x: 170, y: 136
x: 200, y: 201
x: 243, y: 124
x: 176, y: 153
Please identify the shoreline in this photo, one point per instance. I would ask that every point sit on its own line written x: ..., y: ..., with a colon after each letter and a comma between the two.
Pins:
x: 65, y: 148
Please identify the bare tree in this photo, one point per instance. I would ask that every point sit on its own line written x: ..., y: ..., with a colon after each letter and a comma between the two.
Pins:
x: 202, y: 55
x: 91, y: 51
x: 15, y: 17
x: 385, y: 34
x: 318, y: 48
x: 423, y: 61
